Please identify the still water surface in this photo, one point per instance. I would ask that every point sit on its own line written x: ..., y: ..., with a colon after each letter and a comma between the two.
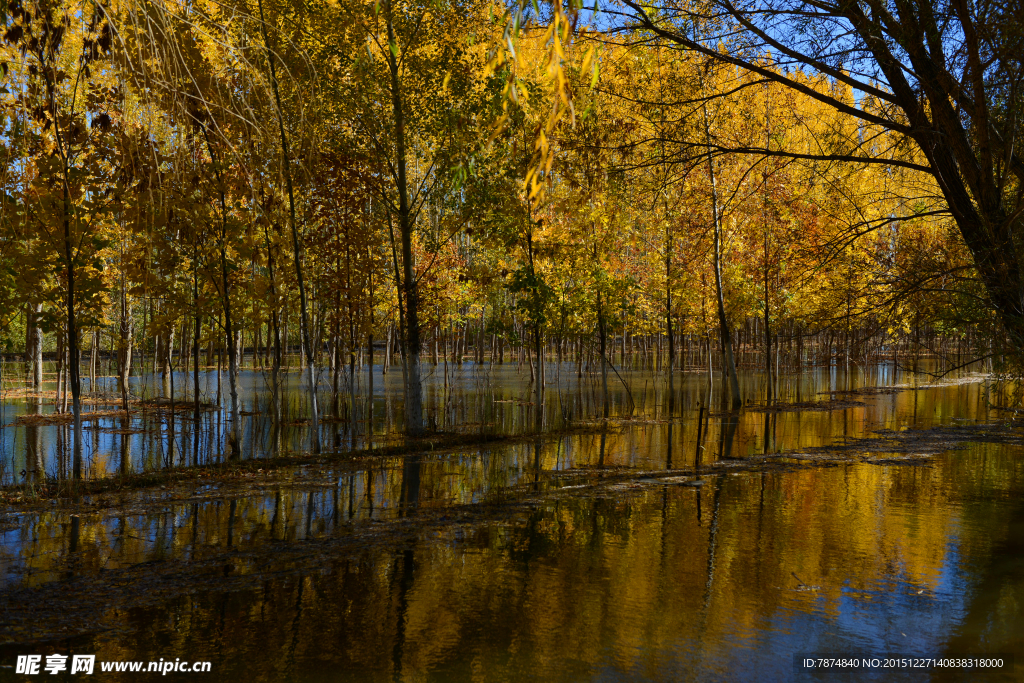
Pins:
x: 471, y: 399
x: 560, y: 558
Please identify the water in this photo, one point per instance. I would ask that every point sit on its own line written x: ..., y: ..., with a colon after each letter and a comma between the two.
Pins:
x: 553, y: 558
x: 470, y: 399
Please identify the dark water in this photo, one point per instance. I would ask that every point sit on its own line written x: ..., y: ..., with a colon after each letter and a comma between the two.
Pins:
x: 557, y: 558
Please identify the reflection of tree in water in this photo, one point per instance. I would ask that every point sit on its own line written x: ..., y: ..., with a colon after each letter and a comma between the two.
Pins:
x: 231, y: 521
x: 571, y: 563
x: 34, y: 466
x: 410, y: 491
x: 404, y: 565
x: 537, y: 463
x: 126, y: 438
x: 403, y: 568
x: 727, y: 434
x: 478, y: 402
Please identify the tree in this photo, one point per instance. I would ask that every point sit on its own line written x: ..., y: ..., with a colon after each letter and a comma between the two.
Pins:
x: 68, y: 88
x: 407, y: 71
x: 944, y: 78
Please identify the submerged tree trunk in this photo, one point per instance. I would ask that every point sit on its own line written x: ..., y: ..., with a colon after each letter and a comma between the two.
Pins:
x: 767, y: 328
x: 369, y: 391
x: 307, y: 341
x: 602, y: 332
x: 126, y: 340
x: 668, y: 324
x: 724, y: 330
x: 71, y: 247
x: 274, y: 346
x: 413, y: 390
x: 94, y: 359
x: 124, y: 351
x: 234, y: 449
x: 61, y: 371
x: 74, y: 377
x: 233, y: 436
x: 195, y: 366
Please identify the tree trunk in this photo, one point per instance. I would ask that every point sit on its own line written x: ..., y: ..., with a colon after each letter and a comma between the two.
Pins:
x: 304, y: 323
x: 668, y: 323
x: 727, y: 355
x: 369, y: 390
x: 197, y: 321
x: 234, y: 448
x: 167, y: 352
x: 93, y: 359
x: 34, y: 349
x: 413, y: 389
x: 124, y: 354
x: 73, y: 350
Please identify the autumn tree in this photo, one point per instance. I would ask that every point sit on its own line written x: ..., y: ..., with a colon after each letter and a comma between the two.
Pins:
x: 943, y: 78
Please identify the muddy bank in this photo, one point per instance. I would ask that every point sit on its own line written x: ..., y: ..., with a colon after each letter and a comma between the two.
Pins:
x: 281, y: 469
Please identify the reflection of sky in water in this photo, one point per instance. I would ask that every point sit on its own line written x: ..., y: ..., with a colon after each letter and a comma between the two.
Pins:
x: 661, y: 583
x: 594, y: 588
x: 491, y: 398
